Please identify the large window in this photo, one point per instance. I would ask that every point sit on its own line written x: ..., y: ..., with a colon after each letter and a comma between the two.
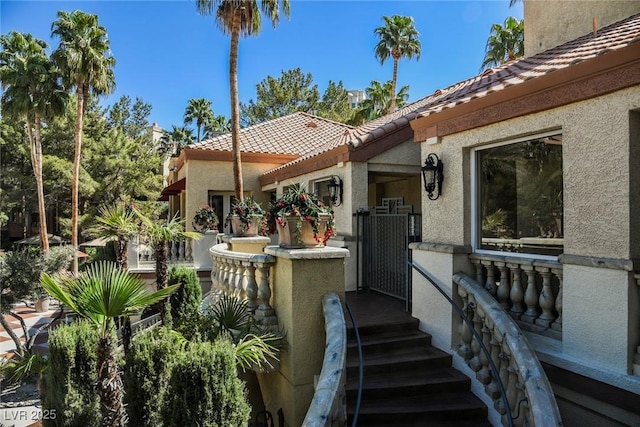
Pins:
x: 519, y: 190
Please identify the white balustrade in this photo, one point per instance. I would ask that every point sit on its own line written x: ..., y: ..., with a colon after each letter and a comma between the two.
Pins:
x: 527, y: 389
x: 247, y: 276
x: 529, y: 289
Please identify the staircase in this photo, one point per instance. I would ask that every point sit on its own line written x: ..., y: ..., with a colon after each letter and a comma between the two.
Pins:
x: 407, y: 382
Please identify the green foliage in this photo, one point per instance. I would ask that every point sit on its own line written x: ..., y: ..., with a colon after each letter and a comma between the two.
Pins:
x: 205, y: 388
x: 185, y: 302
x: 378, y: 102
x: 198, y: 111
x: 292, y: 92
x: 505, y: 43
x: 17, y: 370
x: 149, y: 363
x: 71, y: 377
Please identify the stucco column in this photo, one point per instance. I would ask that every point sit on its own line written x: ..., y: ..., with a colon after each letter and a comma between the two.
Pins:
x: 248, y: 245
x: 301, y: 278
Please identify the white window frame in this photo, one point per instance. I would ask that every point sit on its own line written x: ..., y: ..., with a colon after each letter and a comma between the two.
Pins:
x: 475, y: 207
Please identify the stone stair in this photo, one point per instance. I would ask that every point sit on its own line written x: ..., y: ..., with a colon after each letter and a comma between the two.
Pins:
x: 407, y: 381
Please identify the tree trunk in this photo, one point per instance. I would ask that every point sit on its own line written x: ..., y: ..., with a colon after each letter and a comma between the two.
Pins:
x: 161, y: 265
x: 110, y: 387
x: 36, y: 162
x: 121, y: 254
x: 7, y: 327
x: 235, y: 113
x: 76, y: 172
x: 392, y: 106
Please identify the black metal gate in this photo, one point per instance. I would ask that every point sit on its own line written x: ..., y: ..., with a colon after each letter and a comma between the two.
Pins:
x: 386, y: 232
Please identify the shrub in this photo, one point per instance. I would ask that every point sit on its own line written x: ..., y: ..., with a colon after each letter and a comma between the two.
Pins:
x: 205, y: 389
x: 71, y: 377
x: 185, y: 302
x: 147, y: 372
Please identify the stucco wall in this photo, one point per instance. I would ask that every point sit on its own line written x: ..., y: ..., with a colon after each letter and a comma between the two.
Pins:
x: 543, y: 19
x: 205, y: 175
x: 596, y: 174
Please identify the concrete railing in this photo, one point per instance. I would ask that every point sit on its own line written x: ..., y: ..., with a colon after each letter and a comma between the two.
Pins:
x: 328, y: 407
x: 246, y: 275
x: 529, y: 289
x: 528, y: 391
x: 195, y: 253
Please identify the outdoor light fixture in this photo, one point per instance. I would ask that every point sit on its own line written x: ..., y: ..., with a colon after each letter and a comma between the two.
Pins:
x: 432, y: 176
x: 335, y: 190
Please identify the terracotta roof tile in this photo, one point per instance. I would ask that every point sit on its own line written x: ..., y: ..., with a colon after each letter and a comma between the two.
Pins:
x: 296, y: 133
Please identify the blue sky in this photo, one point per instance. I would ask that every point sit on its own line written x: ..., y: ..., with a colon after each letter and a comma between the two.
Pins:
x: 167, y: 53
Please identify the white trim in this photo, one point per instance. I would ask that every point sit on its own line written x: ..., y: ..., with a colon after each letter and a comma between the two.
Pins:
x: 475, y: 209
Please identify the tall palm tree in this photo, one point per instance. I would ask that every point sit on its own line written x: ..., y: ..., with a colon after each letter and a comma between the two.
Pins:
x: 86, y: 63
x: 379, y: 98
x: 32, y: 93
x: 505, y: 43
x: 236, y: 18
x: 173, y: 141
x: 199, y: 111
x: 219, y: 125
x: 398, y: 39
x: 119, y: 223
x: 101, y: 294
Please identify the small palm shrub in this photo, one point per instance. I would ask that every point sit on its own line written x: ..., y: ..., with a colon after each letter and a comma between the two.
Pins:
x: 71, y: 377
x: 205, y: 389
x: 148, y: 368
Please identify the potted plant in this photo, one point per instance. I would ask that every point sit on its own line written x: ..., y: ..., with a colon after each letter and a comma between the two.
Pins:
x: 205, y: 219
x: 301, y: 219
x: 246, y: 217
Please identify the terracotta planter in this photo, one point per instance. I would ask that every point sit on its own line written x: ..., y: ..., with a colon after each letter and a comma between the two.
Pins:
x: 297, y: 233
x: 250, y: 231
x: 42, y: 305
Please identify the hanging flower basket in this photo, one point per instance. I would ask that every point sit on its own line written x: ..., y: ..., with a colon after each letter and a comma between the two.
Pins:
x: 205, y: 219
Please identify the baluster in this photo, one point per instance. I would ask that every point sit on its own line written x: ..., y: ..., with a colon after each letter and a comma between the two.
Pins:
x: 180, y: 250
x: 517, y: 293
x: 233, y: 277
x: 264, y: 292
x: 490, y: 284
x: 214, y: 272
x: 225, y: 276
x: 504, y: 289
x: 512, y: 391
x: 252, y: 287
x: 464, y: 350
x: 494, y: 347
x: 240, y: 280
x: 557, y: 325
x: 503, y: 367
x: 522, y: 412
x: 188, y: 250
x: 479, y: 275
x: 546, y: 300
x: 530, y: 295
x: 475, y: 362
x: 173, y: 250
x: 484, y: 374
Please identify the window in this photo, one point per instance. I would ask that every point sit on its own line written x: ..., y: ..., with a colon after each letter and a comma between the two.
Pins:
x: 519, y: 196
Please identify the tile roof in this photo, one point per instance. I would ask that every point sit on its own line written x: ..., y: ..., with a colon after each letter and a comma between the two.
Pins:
x: 295, y: 134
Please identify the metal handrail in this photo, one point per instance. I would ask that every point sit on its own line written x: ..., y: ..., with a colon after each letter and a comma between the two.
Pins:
x: 469, y: 323
x: 360, y: 366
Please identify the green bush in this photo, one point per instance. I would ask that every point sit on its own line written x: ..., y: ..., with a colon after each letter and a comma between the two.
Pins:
x: 205, y: 389
x: 185, y: 302
x: 147, y: 373
x: 71, y: 376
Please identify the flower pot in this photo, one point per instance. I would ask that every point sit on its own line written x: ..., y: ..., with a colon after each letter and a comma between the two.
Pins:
x: 242, y: 230
x: 42, y: 305
x: 296, y: 233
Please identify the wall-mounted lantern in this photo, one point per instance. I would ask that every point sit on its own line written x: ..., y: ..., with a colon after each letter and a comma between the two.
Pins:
x: 335, y: 190
x: 432, y: 176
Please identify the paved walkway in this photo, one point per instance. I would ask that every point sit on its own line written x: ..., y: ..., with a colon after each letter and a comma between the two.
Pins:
x: 33, y: 320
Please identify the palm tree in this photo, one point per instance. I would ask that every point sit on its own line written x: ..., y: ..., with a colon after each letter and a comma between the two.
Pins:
x: 86, y: 63
x: 172, y: 142
x: 505, y: 43
x: 159, y: 234
x: 237, y: 18
x: 398, y: 38
x: 32, y: 92
x: 199, y: 111
x: 378, y: 101
x: 219, y: 125
x: 101, y: 294
x: 119, y: 223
